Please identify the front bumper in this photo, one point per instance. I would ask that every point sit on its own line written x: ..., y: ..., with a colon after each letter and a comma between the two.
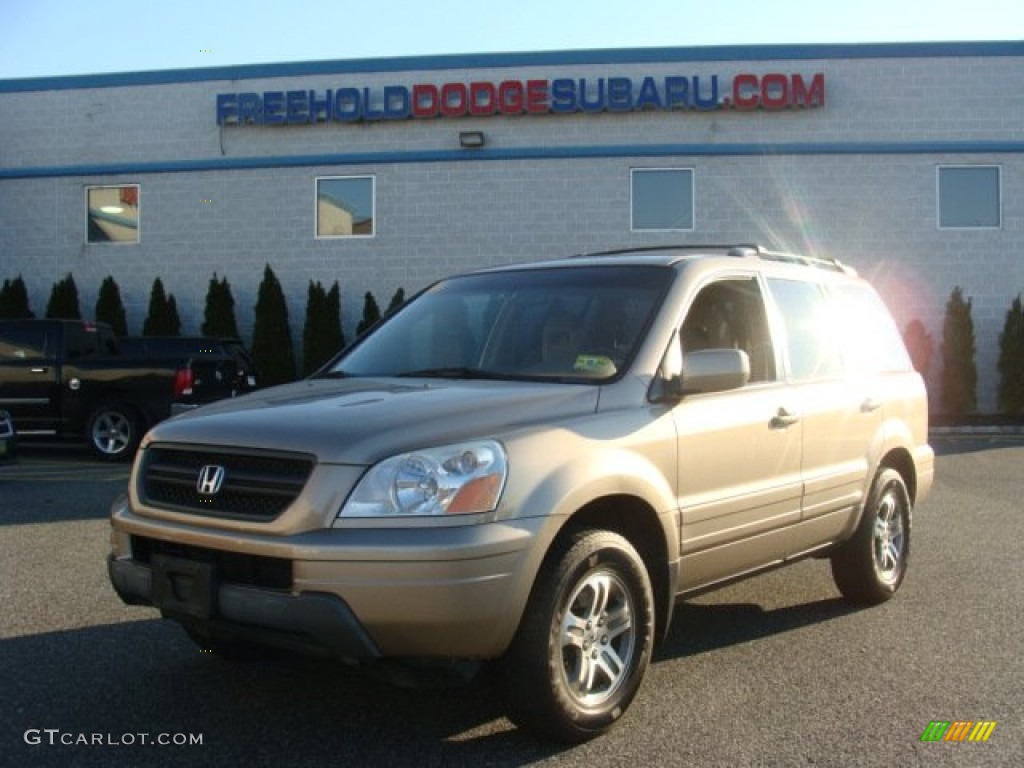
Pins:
x: 307, y: 621
x: 437, y: 592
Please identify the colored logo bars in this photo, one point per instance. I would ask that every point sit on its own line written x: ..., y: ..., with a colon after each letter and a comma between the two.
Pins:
x: 958, y: 730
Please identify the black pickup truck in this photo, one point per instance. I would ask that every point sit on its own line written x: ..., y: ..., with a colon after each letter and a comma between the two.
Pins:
x: 242, y: 375
x: 69, y: 377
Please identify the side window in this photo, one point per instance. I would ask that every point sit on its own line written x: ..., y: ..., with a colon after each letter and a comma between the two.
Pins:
x: 812, y: 343
x: 76, y: 342
x: 86, y: 340
x: 871, y: 341
x: 730, y: 314
x: 25, y: 342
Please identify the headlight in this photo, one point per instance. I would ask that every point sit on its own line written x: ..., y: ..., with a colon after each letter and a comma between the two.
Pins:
x: 451, y: 480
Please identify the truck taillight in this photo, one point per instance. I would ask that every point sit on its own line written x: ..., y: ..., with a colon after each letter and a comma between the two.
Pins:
x: 183, y: 381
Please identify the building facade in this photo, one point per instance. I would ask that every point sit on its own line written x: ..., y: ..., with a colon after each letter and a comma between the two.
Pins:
x: 905, y: 161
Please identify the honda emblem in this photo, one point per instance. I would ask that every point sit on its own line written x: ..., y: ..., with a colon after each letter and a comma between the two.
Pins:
x: 211, y: 477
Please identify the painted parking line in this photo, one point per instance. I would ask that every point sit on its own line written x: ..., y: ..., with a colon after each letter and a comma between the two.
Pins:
x: 63, y: 472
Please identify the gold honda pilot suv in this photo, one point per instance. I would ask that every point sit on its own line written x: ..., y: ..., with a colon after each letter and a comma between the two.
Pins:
x: 533, y: 464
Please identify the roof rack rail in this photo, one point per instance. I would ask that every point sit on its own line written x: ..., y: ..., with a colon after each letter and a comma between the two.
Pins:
x: 676, y: 247
x: 739, y: 250
x: 795, y: 258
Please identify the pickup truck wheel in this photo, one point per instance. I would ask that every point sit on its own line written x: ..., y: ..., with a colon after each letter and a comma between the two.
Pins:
x: 585, y: 640
x: 870, y: 567
x: 114, y: 432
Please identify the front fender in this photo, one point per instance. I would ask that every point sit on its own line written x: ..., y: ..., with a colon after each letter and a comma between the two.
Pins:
x: 558, y: 485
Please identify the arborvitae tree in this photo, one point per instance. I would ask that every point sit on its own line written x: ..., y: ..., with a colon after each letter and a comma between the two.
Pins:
x: 173, y: 319
x: 157, y: 308
x: 334, y: 331
x: 371, y: 313
x: 5, y: 300
x: 313, y: 354
x: 322, y: 337
x: 219, y: 315
x: 397, y: 300
x: 162, y: 318
x: 14, y: 300
x: 958, y: 393
x: 272, y: 349
x: 919, y: 346
x: 63, y: 301
x: 1011, y: 361
x: 109, y: 308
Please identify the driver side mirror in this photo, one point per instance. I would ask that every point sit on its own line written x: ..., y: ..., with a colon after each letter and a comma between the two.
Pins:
x: 699, y: 372
x: 715, y: 370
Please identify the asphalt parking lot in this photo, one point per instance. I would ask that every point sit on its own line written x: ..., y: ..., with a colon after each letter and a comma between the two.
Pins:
x: 775, y: 671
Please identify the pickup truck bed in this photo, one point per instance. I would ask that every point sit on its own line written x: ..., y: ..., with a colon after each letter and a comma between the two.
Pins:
x: 69, y: 378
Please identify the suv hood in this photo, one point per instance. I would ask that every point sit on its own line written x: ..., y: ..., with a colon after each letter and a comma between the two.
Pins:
x: 362, y: 421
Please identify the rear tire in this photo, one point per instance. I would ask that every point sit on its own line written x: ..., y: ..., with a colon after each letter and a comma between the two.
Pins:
x: 871, y: 566
x: 114, y: 432
x: 585, y: 641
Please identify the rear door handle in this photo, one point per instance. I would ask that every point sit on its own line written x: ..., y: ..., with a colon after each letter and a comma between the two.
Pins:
x: 38, y: 370
x: 784, y: 419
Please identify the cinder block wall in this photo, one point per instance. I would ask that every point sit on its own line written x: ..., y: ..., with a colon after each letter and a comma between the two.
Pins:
x: 855, y: 179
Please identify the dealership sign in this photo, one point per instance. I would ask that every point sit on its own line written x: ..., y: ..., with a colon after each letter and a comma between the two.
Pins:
x: 771, y: 92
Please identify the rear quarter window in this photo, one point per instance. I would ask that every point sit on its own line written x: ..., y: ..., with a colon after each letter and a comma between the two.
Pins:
x: 870, y: 340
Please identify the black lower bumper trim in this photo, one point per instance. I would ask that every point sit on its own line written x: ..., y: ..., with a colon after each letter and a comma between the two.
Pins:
x: 310, y: 619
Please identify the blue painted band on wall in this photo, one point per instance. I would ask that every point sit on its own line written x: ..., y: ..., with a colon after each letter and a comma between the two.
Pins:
x: 523, y: 153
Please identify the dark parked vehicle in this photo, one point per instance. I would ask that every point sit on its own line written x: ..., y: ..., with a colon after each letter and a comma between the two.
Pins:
x: 69, y: 377
x: 8, y: 438
x: 242, y: 374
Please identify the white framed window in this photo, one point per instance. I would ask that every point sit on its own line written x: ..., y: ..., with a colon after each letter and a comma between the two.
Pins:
x: 661, y: 199
x: 112, y: 214
x: 969, y: 196
x: 345, y: 206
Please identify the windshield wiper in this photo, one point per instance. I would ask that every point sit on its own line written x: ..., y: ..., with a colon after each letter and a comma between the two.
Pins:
x: 449, y: 373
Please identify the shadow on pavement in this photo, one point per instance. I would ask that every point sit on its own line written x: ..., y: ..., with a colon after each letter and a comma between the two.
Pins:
x: 146, y: 677
x: 702, y: 628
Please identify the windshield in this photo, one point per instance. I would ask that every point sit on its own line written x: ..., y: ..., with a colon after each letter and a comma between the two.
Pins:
x: 577, y: 324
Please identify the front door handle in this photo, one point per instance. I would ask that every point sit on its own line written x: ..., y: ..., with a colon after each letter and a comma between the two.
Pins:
x: 870, y: 405
x: 784, y: 419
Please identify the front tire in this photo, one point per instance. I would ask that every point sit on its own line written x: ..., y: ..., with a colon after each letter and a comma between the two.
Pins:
x: 114, y: 432
x: 585, y: 640
x: 871, y: 566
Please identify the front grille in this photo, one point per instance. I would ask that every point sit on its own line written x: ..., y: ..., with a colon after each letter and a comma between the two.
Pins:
x: 256, y: 485
x: 232, y: 567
